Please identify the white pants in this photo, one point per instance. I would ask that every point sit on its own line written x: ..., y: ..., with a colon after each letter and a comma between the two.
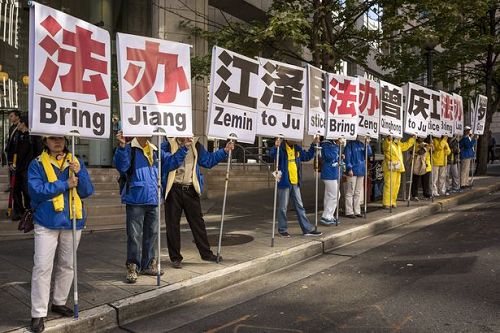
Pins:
x: 47, y: 241
x: 354, y: 195
x: 453, y: 177
x: 438, y: 180
x: 330, y: 199
x: 464, y: 172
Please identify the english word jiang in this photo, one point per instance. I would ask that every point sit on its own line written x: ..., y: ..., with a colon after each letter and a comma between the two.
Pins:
x: 78, y: 118
x: 342, y: 127
x: 232, y: 120
x: 155, y: 118
x: 390, y: 125
x: 368, y: 124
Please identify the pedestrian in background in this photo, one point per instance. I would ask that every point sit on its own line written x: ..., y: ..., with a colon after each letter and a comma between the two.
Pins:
x: 51, y: 180
x: 184, y: 185
x: 439, y: 165
x: 492, y: 143
x: 330, y: 175
x: 467, y: 153
x: 290, y: 159
x: 10, y: 146
x: 355, y: 163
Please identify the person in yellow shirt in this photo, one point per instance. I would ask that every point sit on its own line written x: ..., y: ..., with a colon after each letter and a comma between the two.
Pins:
x: 393, y: 167
x: 439, y: 165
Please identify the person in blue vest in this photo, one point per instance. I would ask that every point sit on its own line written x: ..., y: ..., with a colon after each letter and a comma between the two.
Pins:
x: 137, y: 162
x: 330, y: 175
x: 52, y: 176
x: 355, y: 164
x: 467, y: 153
x: 290, y: 158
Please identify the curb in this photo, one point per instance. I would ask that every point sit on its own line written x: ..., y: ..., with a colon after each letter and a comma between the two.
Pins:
x: 139, y: 306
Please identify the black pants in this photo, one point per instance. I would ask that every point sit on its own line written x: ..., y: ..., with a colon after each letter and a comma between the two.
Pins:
x: 491, y: 153
x: 20, y: 194
x: 185, y: 198
x: 425, y: 179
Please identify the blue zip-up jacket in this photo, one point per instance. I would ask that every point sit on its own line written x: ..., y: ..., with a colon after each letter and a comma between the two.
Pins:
x: 467, y: 147
x: 330, y: 157
x: 202, y: 157
x: 355, y: 157
x: 41, y: 192
x: 300, y: 156
x: 142, y: 188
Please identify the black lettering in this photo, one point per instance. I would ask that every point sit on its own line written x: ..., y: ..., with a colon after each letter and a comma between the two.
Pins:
x: 47, y: 108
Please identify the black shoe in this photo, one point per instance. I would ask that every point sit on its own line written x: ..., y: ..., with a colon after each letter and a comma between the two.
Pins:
x: 37, y: 325
x: 313, y: 233
x: 285, y: 234
x: 212, y: 258
x: 16, y: 218
x: 63, y: 310
x: 359, y: 215
x: 352, y: 216
x: 177, y: 264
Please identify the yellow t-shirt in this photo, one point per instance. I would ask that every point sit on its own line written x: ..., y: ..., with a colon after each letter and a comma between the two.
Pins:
x: 148, y: 153
x: 293, y: 174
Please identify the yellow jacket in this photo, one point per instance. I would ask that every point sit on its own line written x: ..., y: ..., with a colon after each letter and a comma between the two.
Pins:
x: 441, y: 152
x: 393, y: 153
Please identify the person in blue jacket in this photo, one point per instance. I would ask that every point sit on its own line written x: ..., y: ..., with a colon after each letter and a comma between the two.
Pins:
x: 467, y: 153
x: 330, y: 176
x: 183, y: 185
x: 290, y: 158
x: 137, y: 162
x: 52, y: 176
x: 355, y: 164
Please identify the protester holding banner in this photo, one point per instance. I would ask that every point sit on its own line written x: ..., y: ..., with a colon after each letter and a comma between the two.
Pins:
x: 49, y: 187
x: 290, y: 158
x: 439, y: 165
x: 356, y: 170
x: 393, y: 167
x: 329, y: 175
x: 422, y: 169
x: 467, y: 153
x: 184, y: 185
x: 453, y: 184
x: 137, y: 163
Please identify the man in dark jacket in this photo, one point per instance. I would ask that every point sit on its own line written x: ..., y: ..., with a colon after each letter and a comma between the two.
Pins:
x: 183, y: 186
x: 10, y: 146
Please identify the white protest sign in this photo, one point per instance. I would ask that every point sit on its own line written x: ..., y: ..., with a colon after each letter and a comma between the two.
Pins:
x: 458, y: 114
x: 480, y: 114
x: 391, y: 110
x: 369, y: 107
x: 234, y: 92
x: 343, y: 110
x: 447, y: 123
x: 70, y: 75
x: 316, y: 101
x: 281, y: 100
x: 417, y: 109
x: 154, y: 78
x: 435, y: 118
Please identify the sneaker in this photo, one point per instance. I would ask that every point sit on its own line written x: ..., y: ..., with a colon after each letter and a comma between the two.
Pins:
x: 285, y: 234
x: 447, y: 194
x: 177, y: 264
x: 212, y: 258
x: 415, y: 199
x: 313, y: 233
x: 131, y: 273
x: 152, y: 269
x: 327, y: 222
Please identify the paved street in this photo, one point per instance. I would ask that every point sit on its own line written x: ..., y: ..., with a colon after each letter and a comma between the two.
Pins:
x: 441, y: 278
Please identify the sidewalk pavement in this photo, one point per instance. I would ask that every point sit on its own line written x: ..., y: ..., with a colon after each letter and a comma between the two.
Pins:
x: 107, y: 301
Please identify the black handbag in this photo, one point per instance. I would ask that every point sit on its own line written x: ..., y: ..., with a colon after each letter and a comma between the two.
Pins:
x: 26, y: 223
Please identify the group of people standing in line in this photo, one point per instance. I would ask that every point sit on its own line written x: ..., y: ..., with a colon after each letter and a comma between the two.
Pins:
x: 56, y: 182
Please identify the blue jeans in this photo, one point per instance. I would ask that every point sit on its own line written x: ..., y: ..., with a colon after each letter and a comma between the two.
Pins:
x: 293, y: 193
x: 142, y: 228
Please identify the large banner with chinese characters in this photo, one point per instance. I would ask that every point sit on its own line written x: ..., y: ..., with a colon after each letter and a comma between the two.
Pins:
x: 342, y: 101
x: 281, y: 100
x: 234, y: 91
x: 316, y: 101
x: 480, y: 114
x: 369, y: 108
x: 154, y: 78
x: 391, y: 110
x: 447, y: 123
x: 70, y: 75
x: 435, y: 118
x: 458, y: 114
x: 417, y: 109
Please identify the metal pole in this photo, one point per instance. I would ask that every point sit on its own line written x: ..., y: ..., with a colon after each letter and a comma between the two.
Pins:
x: 432, y: 170
x: 275, y: 191
x: 411, y: 172
x: 73, y: 206
x: 390, y: 175
x: 473, y: 165
x: 339, y: 181
x: 158, y: 262
x: 224, y: 202
x: 316, y: 176
x: 365, y: 187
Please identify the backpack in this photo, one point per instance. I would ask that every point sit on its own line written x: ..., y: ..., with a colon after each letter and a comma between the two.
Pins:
x: 419, y: 164
x: 123, y: 178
